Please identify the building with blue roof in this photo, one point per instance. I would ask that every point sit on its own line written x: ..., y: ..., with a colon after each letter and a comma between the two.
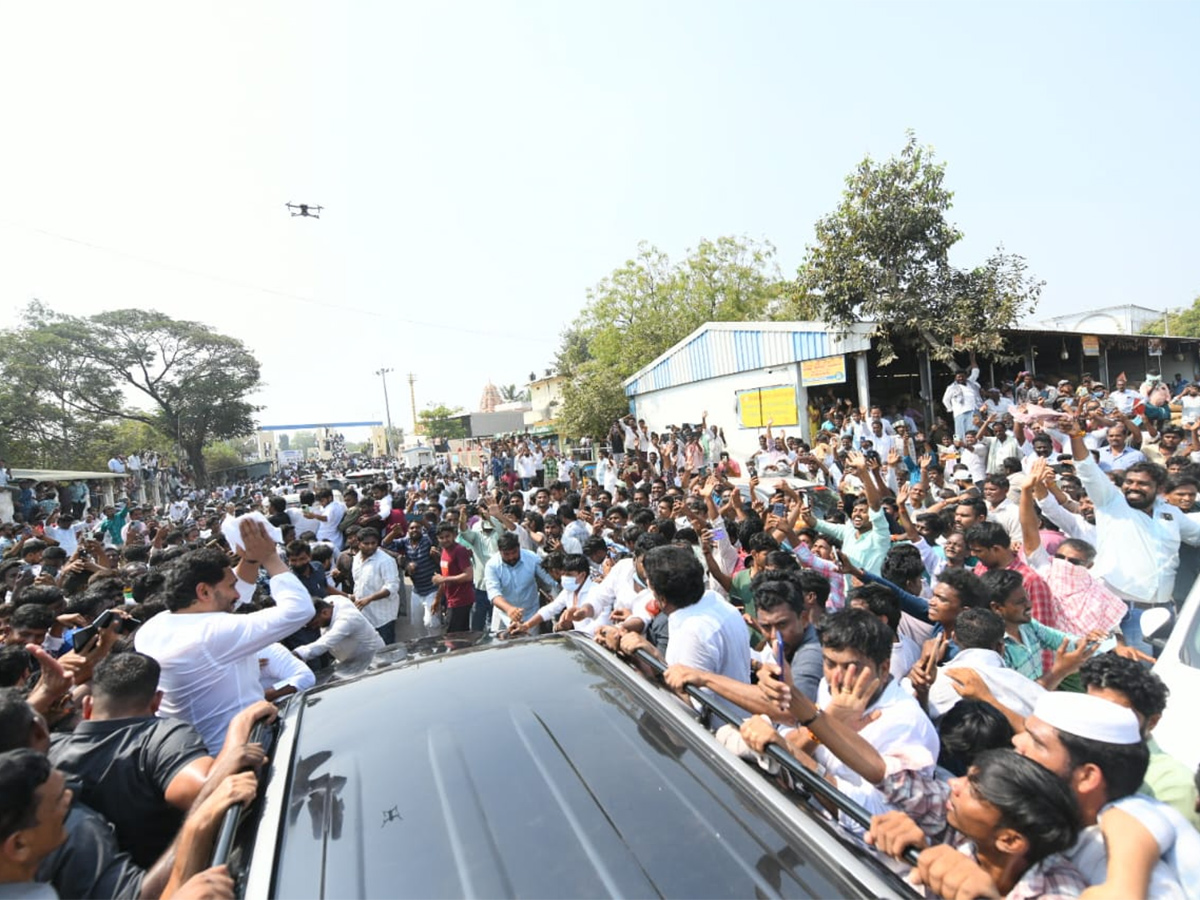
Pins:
x: 745, y: 373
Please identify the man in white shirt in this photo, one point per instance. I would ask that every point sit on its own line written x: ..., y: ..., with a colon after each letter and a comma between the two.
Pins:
x: 575, y: 532
x: 209, y: 657
x: 881, y: 442
x: 1122, y: 396
x: 854, y: 641
x: 628, y: 426
x: 178, y: 510
x: 705, y: 631
x: 376, y: 585
x: 1137, y: 535
x: 999, y: 508
x: 117, y: 464
x: 995, y: 402
x: 471, y: 488
x: 64, y: 531
x: 1000, y: 445
x: 973, y: 458
x: 347, y: 636
x: 526, y: 468
x: 280, y: 673
x: 962, y: 398
x: 329, y: 517
x: 1039, y: 446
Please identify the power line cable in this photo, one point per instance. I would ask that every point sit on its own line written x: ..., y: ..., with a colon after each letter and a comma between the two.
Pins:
x: 273, y: 291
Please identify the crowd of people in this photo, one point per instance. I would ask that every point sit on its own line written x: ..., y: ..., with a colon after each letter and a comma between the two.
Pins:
x: 941, y: 618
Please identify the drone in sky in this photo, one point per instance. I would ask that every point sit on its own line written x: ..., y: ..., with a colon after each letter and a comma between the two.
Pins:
x: 303, y: 209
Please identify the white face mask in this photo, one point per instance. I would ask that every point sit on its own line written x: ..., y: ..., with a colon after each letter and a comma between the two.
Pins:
x: 52, y: 644
x: 570, y: 583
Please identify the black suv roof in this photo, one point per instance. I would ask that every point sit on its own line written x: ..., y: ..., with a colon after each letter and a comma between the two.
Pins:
x: 541, y: 768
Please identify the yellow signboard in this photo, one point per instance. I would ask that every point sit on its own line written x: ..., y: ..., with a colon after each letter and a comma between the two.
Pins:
x: 826, y: 370
x: 777, y: 404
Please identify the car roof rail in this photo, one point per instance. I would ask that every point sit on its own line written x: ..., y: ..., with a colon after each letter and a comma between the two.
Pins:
x: 223, y: 845
x: 814, y: 783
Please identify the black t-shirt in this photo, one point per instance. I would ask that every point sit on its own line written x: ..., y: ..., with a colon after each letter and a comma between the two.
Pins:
x: 88, y: 863
x: 313, y: 579
x: 122, y: 768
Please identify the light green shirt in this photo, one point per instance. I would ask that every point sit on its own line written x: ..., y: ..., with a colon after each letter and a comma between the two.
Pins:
x: 865, y: 550
x: 482, y: 545
x: 1169, y: 781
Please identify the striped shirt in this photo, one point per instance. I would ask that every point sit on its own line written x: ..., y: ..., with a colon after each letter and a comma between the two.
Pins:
x: 418, y: 553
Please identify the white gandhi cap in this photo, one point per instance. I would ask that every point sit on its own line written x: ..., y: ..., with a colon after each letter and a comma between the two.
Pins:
x: 1090, y: 717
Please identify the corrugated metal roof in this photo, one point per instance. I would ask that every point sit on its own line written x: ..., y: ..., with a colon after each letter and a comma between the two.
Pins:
x: 726, y: 348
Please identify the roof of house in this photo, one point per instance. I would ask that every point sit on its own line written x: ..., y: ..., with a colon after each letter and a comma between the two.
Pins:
x: 726, y: 348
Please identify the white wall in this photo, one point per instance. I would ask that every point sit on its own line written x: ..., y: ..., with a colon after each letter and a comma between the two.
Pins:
x: 686, y: 403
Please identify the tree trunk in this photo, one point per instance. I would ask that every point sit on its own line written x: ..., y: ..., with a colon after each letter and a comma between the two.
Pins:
x: 195, y: 455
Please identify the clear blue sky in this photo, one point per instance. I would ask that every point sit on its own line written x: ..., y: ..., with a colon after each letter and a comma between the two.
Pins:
x: 483, y: 164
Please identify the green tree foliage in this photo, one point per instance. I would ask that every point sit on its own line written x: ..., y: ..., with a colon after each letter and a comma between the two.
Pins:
x: 38, y: 432
x: 441, y: 421
x: 643, y: 307
x: 303, y: 441
x: 510, y: 393
x: 129, y: 435
x: 191, y: 382
x: 1183, y: 322
x: 284, y: 442
x: 395, y: 435
x: 884, y: 255
x: 222, y: 455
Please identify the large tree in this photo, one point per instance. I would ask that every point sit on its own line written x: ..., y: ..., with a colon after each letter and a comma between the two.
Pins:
x: 884, y: 255
x: 185, y: 379
x: 643, y: 307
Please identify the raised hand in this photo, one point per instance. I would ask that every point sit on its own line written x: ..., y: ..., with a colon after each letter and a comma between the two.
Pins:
x: 1067, y: 661
x: 851, y: 692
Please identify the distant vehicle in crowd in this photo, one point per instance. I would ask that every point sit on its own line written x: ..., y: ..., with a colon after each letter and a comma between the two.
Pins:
x: 579, y: 779
x: 415, y: 457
